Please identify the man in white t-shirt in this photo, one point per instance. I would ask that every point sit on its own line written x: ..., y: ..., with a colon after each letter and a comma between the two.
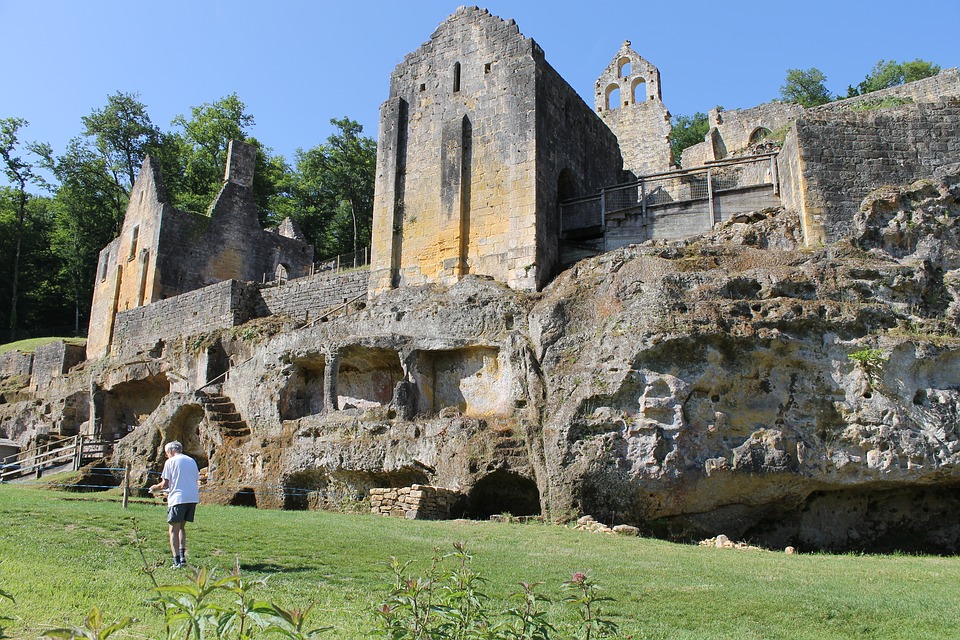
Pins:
x: 181, y: 480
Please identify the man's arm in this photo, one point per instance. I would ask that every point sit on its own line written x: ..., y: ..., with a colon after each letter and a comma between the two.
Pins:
x: 160, y: 486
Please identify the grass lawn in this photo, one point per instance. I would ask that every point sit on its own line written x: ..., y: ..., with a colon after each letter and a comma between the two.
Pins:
x: 30, y: 344
x: 63, y: 553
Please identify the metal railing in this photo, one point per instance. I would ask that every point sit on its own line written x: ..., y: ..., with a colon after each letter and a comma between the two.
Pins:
x: 671, y: 187
x: 346, y: 261
x: 75, y: 450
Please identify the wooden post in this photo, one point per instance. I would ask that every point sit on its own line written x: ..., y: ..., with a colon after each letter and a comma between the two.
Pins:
x: 126, y: 485
x: 710, y: 198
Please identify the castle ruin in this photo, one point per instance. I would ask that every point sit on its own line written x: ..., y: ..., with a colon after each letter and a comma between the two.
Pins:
x: 460, y: 367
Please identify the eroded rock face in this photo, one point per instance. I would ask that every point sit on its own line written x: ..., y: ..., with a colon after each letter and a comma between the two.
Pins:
x: 736, y: 383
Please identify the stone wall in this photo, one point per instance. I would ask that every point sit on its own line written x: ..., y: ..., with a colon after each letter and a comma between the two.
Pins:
x: 304, y: 298
x: 16, y: 363
x: 944, y: 84
x: 53, y: 360
x: 222, y: 305
x: 737, y: 129
x: 675, y: 220
x: 843, y: 155
x: 417, y: 502
x: 231, y: 303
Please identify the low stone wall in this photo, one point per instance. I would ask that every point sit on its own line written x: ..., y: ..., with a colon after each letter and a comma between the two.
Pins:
x: 311, y: 295
x: 417, y: 502
x: 684, y: 219
x: 53, y: 360
x: 16, y: 363
x: 219, y: 306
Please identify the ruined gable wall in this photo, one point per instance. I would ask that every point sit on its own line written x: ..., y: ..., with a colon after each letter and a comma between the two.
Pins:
x: 573, y: 141
x: 126, y: 272
x: 456, y: 168
x: 842, y: 156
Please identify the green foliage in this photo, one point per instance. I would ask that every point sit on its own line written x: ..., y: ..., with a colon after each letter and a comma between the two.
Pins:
x: 869, y: 104
x: 4, y: 595
x: 94, y: 628
x: 332, y: 189
x: 870, y: 360
x: 123, y: 134
x: 444, y: 602
x: 888, y: 73
x: 805, y: 87
x: 686, y: 132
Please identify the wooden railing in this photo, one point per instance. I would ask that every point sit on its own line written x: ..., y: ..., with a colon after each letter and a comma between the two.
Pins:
x: 75, y: 451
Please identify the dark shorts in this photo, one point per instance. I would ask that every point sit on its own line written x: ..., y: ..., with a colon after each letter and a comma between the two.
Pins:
x: 181, y: 512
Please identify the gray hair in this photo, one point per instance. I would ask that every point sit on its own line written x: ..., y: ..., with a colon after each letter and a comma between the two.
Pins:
x: 174, y: 446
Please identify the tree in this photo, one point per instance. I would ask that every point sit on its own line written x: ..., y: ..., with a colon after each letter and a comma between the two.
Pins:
x: 805, y: 87
x: 686, y: 132
x: 20, y: 173
x: 123, y: 133
x: 84, y: 214
x: 333, y: 186
x: 204, y: 142
x: 887, y: 73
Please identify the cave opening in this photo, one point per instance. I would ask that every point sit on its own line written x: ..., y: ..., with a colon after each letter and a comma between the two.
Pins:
x: 503, y: 492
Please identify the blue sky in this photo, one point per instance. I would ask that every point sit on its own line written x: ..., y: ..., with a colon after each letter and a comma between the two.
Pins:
x: 296, y: 64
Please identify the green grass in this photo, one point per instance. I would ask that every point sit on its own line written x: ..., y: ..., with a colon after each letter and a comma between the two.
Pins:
x: 64, y: 553
x: 30, y: 344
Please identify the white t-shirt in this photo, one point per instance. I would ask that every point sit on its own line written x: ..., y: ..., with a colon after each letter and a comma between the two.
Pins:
x: 183, y: 480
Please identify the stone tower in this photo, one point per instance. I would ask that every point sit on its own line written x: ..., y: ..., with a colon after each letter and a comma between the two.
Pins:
x: 627, y: 97
x: 479, y: 140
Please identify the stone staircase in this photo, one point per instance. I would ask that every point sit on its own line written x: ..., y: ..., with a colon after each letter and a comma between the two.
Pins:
x: 223, y: 415
x: 510, y: 448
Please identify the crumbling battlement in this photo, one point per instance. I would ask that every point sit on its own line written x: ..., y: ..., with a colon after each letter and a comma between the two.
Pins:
x: 53, y: 360
x: 737, y: 129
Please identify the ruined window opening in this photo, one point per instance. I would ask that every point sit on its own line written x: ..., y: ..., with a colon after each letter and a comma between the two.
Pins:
x: 758, y: 135
x: 639, y: 90
x: 141, y: 196
x: 281, y: 273
x: 423, y: 86
x: 106, y: 266
x: 456, y: 77
x: 613, y: 96
x: 487, y: 67
x: 624, y: 67
x: 133, y: 242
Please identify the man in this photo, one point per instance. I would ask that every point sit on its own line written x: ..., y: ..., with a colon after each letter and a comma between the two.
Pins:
x: 181, y: 480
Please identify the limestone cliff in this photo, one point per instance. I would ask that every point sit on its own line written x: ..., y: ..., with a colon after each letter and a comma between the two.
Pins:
x: 733, y: 383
